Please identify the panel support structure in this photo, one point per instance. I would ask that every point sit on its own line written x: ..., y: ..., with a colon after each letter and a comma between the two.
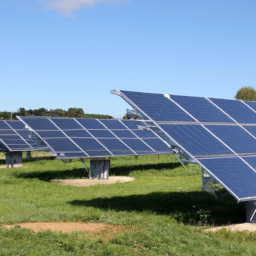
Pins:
x: 13, y: 159
x: 251, y: 211
x: 99, y: 169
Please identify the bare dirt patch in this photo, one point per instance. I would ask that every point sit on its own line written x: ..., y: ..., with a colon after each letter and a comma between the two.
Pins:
x: 88, y: 182
x: 245, y: 227
x: 69, y: 227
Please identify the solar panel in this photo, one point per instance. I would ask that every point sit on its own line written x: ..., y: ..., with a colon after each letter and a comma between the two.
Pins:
x: 237, y: 110
x: 202, y: 109
x: 235, y: 137
x: 195, y: 139
x: 218, y: 134
x: 14, y: 137
x: 158, y: 107
x: 234, y: 174
x: 76, y: 138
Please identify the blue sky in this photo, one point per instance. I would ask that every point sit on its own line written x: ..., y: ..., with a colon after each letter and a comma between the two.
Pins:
x: 71, y: 53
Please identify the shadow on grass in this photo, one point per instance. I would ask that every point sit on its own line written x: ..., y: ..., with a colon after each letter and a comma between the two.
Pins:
x: 187, y: 207
x: 49, y: 175
x: 81, y: 172
x: 126, y: 170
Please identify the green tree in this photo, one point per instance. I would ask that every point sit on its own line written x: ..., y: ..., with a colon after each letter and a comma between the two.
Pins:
x: 246, y: 93
x: 22, y: 112
x: 75, y: 112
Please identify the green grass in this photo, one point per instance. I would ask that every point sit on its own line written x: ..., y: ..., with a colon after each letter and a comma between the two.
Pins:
x: 165, y: 207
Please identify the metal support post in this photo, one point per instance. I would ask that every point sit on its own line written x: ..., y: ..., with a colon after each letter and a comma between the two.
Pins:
x: 251, y: 211
x: 28, y: 154
x: 13, y: 159
x: 99, y: 169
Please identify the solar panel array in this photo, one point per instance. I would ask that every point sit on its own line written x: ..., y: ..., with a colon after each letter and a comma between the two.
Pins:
x: 14, y: 137
x: 219, y: 134
x: 88, y: 138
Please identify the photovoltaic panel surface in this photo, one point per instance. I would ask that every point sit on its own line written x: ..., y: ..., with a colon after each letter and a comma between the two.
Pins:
x: 158, y: 107
x: 69, y: 138
x: 15, y: 137
x: 202, y: 109
x: 235, y: 137
x: 221, y: 136
x: 234, y: 174
x: 237, y: 110
x: 195, y: 139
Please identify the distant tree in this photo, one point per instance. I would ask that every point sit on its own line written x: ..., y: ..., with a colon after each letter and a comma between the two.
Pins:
x: 246, y: 93
x: 22, y: 112
x: 60, y: 112
x: 75, y: 112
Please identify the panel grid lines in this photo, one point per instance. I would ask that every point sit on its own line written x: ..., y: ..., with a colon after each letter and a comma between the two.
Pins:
x: 18, y: 135
x: 120, y: 139
x: 181, y: 108
x: 93, y: 136
x: 138, y: 137
x: 66, y: 136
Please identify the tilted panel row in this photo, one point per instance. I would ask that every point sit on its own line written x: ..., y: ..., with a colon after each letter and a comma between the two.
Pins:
x: 220, y: 136
x: 174, y: 108
x: 71, y: 138
x: 14, y: 137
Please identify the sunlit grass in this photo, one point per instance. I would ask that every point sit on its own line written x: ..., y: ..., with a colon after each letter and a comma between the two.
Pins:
x: 164, y: 205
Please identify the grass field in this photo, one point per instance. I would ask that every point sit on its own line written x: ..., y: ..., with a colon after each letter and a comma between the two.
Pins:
x: 162, y: 212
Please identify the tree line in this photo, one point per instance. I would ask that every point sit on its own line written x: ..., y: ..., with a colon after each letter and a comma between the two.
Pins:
x: 71, y: 112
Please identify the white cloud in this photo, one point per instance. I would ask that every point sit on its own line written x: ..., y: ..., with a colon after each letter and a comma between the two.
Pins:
x: 67, y: 7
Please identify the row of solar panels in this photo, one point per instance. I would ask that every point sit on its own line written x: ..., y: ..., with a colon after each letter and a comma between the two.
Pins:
x: 81, y: 138
x: 219, y: 134
x: 15, y: 137
x: 173, y: 108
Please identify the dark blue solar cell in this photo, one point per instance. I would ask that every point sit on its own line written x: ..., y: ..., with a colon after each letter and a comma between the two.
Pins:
x: 66, y: 123
x: 78, y: 133
x: 158, y: 145
x: 51, y: 134
x: 137, y: 145
x: 3, y: 125
x: 132, y: 124
x: 20, y: 141
x: 251, y: 129
x: 113, y: 124
x: 16, y: 125
x: 2, y: 146
x: 252, y: 104
x: 39, y: 123
x: 195, y: 139
x: 202, y: 109
x: 158, y: 107
x: 237, y: 110
x: 71, y: 155
x: 234, y: 175
x: 123, y: 134
x: 251, y: 160
x: 62, y: 145
x: 101, y: 134
x: 89, y: 144
x: 235, y: 137
x: 144, y: 134
x: 20, y: 147
x: 10, y: 137
x: 23, y: 133
x: 7, y: 132
x: 116, y: 147
x: 90, y: 123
